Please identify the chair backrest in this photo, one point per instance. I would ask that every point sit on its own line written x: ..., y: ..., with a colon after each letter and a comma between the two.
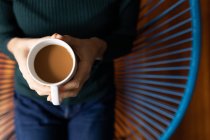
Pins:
x: 155, y: 82
x: 6, y: 98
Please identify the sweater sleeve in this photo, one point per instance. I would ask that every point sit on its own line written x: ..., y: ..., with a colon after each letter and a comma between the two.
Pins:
x: 120, y: 41
x: 8, y: 26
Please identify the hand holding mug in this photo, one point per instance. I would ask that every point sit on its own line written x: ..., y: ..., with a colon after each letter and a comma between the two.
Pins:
x: 20, y: 48
x: 87, y: 50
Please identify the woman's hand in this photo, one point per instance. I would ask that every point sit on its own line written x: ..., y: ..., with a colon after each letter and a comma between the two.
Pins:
x: 88, y: 50
x: 20, y: 48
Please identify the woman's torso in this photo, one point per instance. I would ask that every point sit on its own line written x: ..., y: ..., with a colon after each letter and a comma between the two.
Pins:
x: 80, y: 18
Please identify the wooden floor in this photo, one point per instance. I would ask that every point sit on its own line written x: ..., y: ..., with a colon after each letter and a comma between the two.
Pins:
x: 196, y: 124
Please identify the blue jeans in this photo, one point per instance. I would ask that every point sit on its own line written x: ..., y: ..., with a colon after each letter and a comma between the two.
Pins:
x: 40, y: 120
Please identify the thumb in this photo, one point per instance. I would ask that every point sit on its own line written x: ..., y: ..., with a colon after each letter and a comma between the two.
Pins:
x: 72, y: 41
x: 56, y: 36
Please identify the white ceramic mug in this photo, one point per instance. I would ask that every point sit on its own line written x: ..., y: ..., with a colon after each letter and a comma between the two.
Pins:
x: 30, y: 64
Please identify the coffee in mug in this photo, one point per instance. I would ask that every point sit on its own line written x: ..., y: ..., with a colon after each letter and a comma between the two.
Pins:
x: 53, y: 63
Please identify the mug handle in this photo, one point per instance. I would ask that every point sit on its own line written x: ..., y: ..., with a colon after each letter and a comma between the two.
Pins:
x: 54, y: 95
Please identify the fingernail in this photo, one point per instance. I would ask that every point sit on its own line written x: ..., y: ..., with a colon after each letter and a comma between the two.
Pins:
x: 58, y: 36
x: 48, y: 98
x: 53, y: 36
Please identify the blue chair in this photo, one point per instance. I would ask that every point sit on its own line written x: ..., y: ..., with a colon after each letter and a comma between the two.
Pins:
x: 154, y: 82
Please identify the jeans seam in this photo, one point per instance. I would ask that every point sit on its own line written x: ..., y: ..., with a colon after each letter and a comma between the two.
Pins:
x: 66, y: 112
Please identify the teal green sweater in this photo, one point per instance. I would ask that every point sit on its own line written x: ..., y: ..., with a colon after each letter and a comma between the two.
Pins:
x: 114, y: 21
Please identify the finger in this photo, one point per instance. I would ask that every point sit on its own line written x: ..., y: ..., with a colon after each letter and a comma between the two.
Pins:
x: 72, y: 41
x: 57, y: 36
x: 61, y: 89
x: 31, y: 42
x: 40, y: 89
x: 46, y: 37
x: 68, y: 94
x: 42, y: 39
x: 49, y: 97
x: 35, y: 84
x: 41, y: 93
x: 73, y: 84
x: 80, y: 77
